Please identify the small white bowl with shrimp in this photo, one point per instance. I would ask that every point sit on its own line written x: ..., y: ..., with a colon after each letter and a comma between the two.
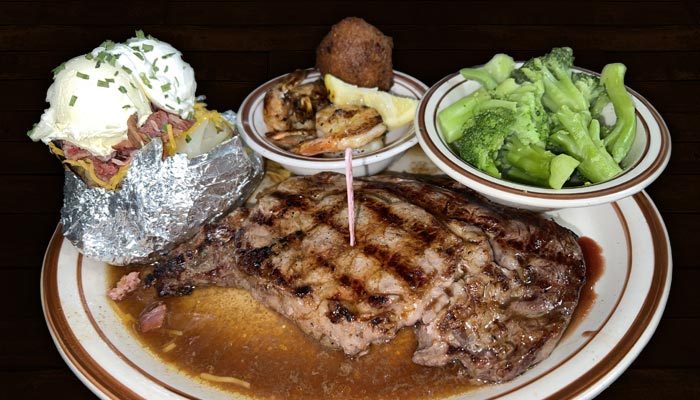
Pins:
x: 369, y: 159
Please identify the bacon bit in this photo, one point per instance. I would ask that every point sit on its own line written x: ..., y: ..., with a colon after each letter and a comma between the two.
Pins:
x: 127, y: 284
x: 351, y: 199
x: 225, y: 379
x: 152, y: 317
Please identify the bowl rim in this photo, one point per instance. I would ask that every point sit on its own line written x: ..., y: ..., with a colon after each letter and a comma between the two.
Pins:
x: 255, y: 140
x: 618, y: 187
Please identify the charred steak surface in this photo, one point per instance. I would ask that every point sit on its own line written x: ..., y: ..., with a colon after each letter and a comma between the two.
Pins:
x: 488, y: 286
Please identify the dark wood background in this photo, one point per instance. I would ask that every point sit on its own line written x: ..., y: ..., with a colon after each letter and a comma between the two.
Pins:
x: 235, y: 46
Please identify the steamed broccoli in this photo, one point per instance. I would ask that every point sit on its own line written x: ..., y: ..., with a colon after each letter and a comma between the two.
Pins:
x: 579, y: 137
x: 532, y: 123
x: 589, y: 85
x: 504, y: 141
x: 533, y: 164
x: 592, y: 90
x: 554, y: 71
x: 492, y: 73
x: 452, y: 119
x: 484, y: 137
x: 619, y: 141
x: 541, y: 123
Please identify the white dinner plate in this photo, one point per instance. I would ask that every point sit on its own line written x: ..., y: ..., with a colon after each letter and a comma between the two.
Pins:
x: 630, y: 297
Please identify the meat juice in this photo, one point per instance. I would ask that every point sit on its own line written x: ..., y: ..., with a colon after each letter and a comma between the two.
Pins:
x: 595, y: 266
x: 226, y: 333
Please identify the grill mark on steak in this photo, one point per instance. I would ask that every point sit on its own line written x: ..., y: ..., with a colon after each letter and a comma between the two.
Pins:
x: 487, y: 286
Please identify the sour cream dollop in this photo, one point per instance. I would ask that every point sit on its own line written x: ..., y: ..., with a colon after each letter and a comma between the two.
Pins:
x: 90, y: 104
x: 158, y: 68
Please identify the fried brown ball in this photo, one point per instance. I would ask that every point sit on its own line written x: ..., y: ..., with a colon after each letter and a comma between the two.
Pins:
x: 358, y: 53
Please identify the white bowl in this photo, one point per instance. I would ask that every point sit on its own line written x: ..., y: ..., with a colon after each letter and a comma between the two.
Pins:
x: 252, y: 127
x: 644, y: 163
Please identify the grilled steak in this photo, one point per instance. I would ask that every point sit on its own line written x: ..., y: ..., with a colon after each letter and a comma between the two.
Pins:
x: 488, y: 286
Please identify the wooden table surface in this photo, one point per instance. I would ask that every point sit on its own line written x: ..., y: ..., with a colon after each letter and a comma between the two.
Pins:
x: 235, y: 46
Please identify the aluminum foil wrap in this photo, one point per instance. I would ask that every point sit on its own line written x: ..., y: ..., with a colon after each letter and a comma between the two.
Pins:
x: 161, y: 202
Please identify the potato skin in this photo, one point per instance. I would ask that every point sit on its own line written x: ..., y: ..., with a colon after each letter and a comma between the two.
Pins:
x: 358, y: 53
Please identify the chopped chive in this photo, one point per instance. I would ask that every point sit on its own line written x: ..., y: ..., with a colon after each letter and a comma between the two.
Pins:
x: 108, y: 44
x: 147, y: 47
x: 126, y: 69
x: 103, y: 84
x: 98, y: 64
x: 145, y: 80
x: 72, y: 100
x: 82, y: 75
x: 122, y: 89
x: 132, y: 85
x: 31, y: 131
x: 166, y: 69
x: 110, y: 80
x: 190, y: 115
x: 116, y: 73
x: 138, y: 55
x: 177, y: 81
x: 140, y: 35
x: 126, y: 106
x: 168, y: 55
x: 89, y: 56
x: 59, y: 69
x: 178, y: 100
x: 188, y: 139
x: 165, y: 88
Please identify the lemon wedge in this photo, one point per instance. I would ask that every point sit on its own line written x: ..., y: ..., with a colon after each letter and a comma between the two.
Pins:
x: 395, y: 110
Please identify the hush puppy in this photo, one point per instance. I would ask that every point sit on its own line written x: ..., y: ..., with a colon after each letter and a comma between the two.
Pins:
x: 358, y: 53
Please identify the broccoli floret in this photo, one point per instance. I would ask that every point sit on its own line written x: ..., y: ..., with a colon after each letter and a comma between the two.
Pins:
x: 554, y: 71
x: 580, y: 138
x: 593, y: 91
x: 453, y: 118
x: 589, y: 85
x: 533, y: 164
x: 619, y: 141
x: 489, y: 75
x: 532, y: 123
x: 484, y: 137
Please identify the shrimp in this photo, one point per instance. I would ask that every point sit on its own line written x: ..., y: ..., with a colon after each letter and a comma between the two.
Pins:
x: 340, y: 127
x: 291, y: 139
x: 290, y: 105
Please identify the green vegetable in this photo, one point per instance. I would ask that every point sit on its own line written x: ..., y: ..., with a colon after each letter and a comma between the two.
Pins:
x: 482, y: 140
x: 619, y: 141
x: 533, y: 164
x: 580, y: 138
x: 554, y: 71
x: 541, y: 124
x: 497, y: 70
x: 452, y: 118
